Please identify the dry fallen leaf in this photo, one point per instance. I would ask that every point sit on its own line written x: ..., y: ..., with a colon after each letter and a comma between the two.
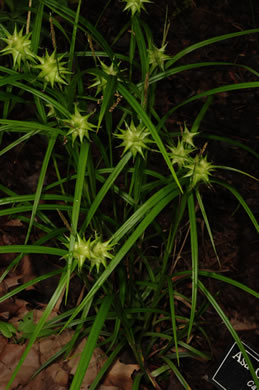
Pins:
x: 243, y: 325
x: 96, y: 362
x: 39, y: 353
x: 9, y: 358
x: 57, y: 375
x: 53, y: 377
x: 121, y: 375
x: 13, y: 223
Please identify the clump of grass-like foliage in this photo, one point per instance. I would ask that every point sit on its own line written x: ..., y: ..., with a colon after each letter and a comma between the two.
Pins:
x: 86, y: 99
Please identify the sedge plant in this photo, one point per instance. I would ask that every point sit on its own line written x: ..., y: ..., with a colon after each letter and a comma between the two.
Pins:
x: 98, y: 218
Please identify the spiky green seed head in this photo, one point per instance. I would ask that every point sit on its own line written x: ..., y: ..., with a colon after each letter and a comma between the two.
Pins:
x: 199, y: 170
x: 100, y: 252
x: 109, y: 70
x: 51, y: 113
x: 179, y: 154
x: 52, y: 69
x: 135, y: 139
x: 79, y: 125
x: 19, y: 46
x: 94, y: 251
x: 188, y: 136
x: 101, y: 82
x: 135, y: 6
x: 157, y: 57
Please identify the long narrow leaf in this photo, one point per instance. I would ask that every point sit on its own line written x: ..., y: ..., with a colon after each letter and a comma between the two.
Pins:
x: 81, y: 167
x: 108, y: 93
x: 194, y: 250
x: 142, y: 49
x: 30, y: 198
x: 203, y: 211
x: 230, y: 141
x: 40, y: 184
x: 220, y: 277
x: 32, y: 282
x: 201, y: 114
x: 143, y: 210
x: 37, y: 27
x: 207, y: 42
x: 173, y: 318
x: 91, y: 343
x: 176, y: 372
x: 48, y: 99
x: 73, y: 39
x: 24, y: 209
x: 213, y: 91
x: 18, y: 141
x: 84, y: 25
x: 27, y: 126
x: 179, y: 69
x: 241, y: 201
x: 106, y: 366
x: 235, y: 170
x: 32, y: 249
x: 106, y: 186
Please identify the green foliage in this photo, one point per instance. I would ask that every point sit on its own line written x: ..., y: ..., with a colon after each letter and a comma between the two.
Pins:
x: 27, y: 326
x: 7, y: 330
x: 88, y: 101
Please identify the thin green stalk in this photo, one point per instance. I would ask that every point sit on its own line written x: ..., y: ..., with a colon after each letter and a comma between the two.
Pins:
x: 73, y: 39
x: 51, y: 144
x: 106, y: 186
x: 194, y: 252
x: 173, y: 317
x: 81, y: 167
x: 91, y: 343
